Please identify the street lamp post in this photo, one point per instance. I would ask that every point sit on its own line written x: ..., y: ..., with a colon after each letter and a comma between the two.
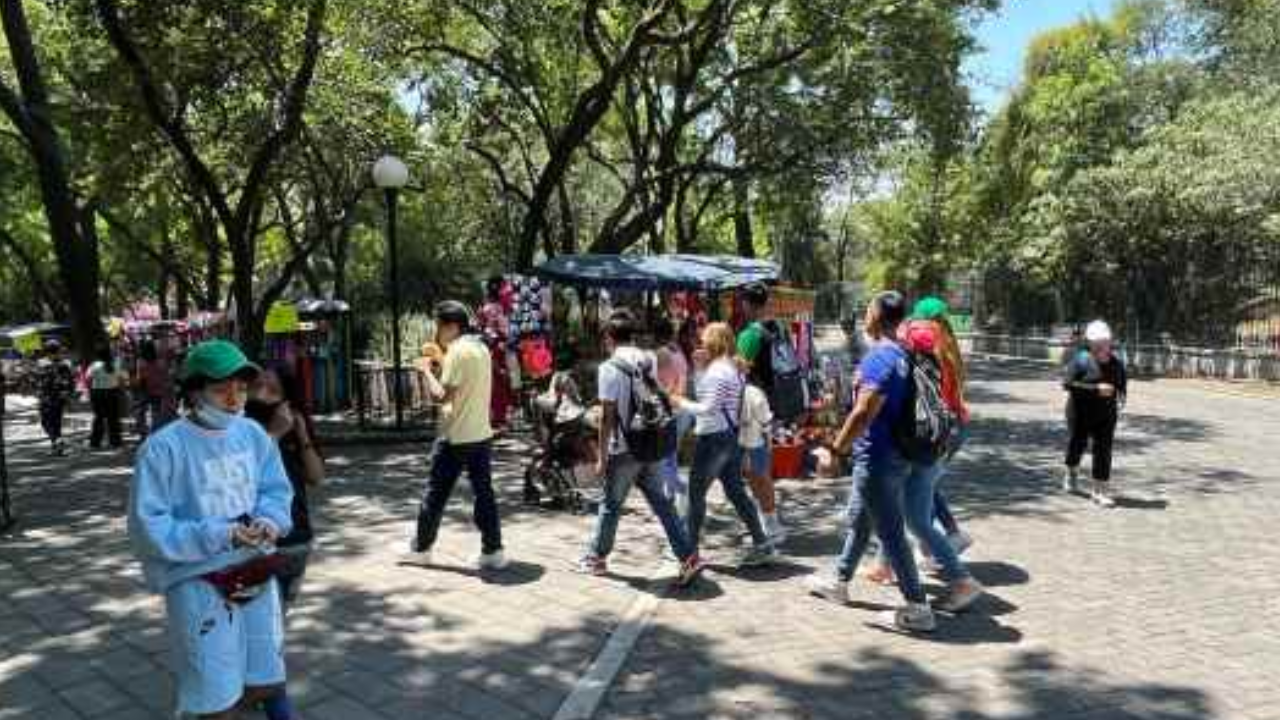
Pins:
x: 390, y: 174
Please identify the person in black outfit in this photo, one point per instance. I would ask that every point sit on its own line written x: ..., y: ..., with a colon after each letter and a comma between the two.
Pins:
x: 277, y: 404
x: 1097, y: 384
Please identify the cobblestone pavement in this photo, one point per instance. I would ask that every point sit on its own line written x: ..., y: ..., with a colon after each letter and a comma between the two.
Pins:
x: 1163, y: 608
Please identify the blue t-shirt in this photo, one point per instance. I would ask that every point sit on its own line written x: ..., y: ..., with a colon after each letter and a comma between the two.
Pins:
x: 883, y: 371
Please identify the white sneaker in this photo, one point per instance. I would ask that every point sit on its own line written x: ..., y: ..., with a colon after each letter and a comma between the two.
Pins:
x: 914, y: 618
x: 960, y: 541
x: 415, y: 557
x: 1102, y: 495
x: 774, y: 528
x: 829, y: 587
x: 962, y: 595
x: 496, y: 560
x: 1071, y: 480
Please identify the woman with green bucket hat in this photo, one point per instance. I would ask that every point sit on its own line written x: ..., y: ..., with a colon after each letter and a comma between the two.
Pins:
x: 209, y: 499
x: 928, y: 330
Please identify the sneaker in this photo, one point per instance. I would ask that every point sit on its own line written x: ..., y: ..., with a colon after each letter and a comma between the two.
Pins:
x: 960, y: 541
x: 592, y: 565
x: 419, y: 558
x: 690, y: 569
x: 962, y: 595
x: 928, y: 565
x: 914, y: 618
x: 830, y: 588
x: 1071, y: 480
x: 496, y: 560
x: 774, y: 528
x: 1102, y: 495
x: 759, y: 555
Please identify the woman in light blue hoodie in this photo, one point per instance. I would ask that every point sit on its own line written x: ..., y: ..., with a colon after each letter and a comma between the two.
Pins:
x: 209, y: 498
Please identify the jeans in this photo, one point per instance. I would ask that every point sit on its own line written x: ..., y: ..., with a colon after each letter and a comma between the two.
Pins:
x: 150, y: 413
x: 52, y: 413
x: 719, y: 456
x: 875, y: 499
x: 672, y: 482
x: 621, y: 472
x: 941, y: 508
x: 942, y: 513
x: 917, y: 502
x: 447, y: 463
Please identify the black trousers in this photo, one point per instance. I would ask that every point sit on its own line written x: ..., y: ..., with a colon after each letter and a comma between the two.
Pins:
x: 106, y: 417
x: 1094, y: 426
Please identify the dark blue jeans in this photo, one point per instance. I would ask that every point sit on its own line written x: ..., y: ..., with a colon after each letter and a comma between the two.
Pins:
x: 52, y: 413
x: 447, y: 464
x: 875, y: 501
x: 719, y: 456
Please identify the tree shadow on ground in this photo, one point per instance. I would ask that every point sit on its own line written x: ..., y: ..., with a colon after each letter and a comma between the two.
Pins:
x: 702, y: 681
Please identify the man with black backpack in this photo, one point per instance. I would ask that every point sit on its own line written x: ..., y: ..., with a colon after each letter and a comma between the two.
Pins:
x: 880, y: 466
x: 765, y: 348
x: 636, y: 425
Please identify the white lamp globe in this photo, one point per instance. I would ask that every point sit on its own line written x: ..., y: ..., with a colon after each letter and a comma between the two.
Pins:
x: 390, y: 173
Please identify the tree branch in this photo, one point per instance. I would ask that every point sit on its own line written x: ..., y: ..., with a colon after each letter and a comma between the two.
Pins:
x: 171, y: 124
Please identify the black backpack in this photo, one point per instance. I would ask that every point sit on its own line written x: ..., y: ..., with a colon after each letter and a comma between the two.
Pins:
x: 788, y: 390
x: 926, y: 425
x: 650, y: 429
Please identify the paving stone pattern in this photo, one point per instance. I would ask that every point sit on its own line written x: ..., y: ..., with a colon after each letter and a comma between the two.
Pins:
x: 1163, y: 608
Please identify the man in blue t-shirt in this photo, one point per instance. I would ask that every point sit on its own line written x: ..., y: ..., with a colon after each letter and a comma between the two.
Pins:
x: 879, y: 469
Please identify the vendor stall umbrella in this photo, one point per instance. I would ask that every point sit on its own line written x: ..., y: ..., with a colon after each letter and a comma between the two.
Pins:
x: 391, y: 174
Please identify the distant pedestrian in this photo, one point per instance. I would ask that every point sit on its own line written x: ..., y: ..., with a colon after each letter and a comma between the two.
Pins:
x: 1097, y: 385
x: 107, y: 381
x: 463, y: 388
x: 55, y: 386
x: 153, y: 386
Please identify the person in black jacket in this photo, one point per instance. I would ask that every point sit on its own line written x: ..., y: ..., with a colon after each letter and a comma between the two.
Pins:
x: 1097, y: 387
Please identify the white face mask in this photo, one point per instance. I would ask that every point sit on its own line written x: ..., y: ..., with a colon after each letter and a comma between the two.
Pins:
x: 213, y: 416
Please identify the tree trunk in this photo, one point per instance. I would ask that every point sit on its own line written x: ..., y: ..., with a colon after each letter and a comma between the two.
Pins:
x: 742, y: 217
x: 30, y: 113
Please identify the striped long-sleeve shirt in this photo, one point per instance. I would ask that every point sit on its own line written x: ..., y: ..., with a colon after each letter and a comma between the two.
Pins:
x: 719, y: 390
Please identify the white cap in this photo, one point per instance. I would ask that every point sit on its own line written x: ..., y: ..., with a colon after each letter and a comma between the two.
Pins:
x: 1097, y: 332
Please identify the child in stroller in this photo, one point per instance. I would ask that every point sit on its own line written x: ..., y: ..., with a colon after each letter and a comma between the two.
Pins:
x: 566, y: 438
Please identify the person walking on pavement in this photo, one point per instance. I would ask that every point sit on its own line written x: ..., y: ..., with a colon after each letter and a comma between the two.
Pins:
x: 1098, y: 386
x: 673, y: 377
x: 209, y: 499
x: 929, y: 332
x: 55, y: 386
x: 880, y: 471
x: 152, y: 409
x: 754, y: 349
x: 465, y: 443
x: 717, y: 454
x: 628, y: 374
x: 106, y: 396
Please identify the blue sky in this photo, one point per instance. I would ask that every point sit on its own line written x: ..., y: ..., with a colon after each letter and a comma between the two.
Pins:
x: 1005, y: 35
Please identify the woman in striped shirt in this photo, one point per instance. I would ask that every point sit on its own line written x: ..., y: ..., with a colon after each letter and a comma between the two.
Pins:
x: 717, y: 411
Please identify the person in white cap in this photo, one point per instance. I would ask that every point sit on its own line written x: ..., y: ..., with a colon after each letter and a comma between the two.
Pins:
x: 1097, y: 384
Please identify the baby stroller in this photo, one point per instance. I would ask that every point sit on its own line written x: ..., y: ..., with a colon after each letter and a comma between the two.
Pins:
x: 565, y: 440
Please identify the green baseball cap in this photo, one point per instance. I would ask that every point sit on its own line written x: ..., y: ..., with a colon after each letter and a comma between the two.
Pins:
x: 929, y: 308
x: 217, y: 360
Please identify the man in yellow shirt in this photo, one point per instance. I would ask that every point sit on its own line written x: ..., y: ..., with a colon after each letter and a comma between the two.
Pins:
x: 463, y: 388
